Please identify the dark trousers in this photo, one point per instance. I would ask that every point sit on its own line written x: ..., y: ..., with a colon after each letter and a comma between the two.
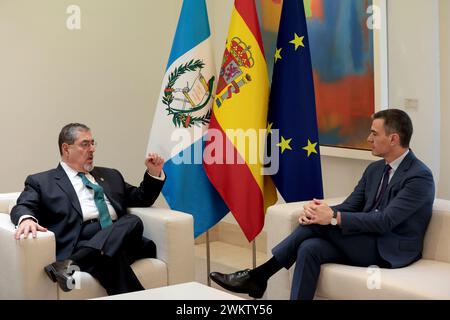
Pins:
x: 115, y: 248
x: 312, y: 245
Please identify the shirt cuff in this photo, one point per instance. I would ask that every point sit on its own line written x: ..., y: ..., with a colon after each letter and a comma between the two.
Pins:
x: 25, y: 217
x: 161, y: 178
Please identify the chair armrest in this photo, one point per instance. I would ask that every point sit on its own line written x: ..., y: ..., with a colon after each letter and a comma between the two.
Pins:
x: 22, y: 273
x: 7, y: 201
x: 281, y: 220
x: 173, y: 233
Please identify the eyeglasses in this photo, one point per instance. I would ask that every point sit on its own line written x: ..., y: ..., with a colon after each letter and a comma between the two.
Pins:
x: 87, y: 144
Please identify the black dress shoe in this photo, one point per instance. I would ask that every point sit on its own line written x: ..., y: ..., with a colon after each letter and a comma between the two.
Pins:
x: 60, y: 271
x: 240, y: 282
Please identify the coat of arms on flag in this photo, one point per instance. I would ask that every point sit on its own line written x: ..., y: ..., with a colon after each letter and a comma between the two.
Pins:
x: 186, y: 104
x: 236, y: 59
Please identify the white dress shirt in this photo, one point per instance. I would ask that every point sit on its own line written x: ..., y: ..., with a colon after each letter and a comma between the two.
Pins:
x: 86, y: 195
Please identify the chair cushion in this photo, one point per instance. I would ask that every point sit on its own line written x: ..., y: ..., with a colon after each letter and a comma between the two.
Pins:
x: 11, y: 205
x: 437, y: 237
x: 425, y: 279
x: 7, y: 201
x: 152, y: 273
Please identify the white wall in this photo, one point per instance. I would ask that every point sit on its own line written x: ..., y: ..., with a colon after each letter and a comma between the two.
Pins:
x: 444, y: 182
x: 413, y: 33
x: 107, y: 75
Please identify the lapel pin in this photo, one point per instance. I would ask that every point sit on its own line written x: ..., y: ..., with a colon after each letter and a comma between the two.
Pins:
x: 102, y: 179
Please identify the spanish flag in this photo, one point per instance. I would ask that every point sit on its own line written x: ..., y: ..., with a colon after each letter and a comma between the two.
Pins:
x: 236, y: 136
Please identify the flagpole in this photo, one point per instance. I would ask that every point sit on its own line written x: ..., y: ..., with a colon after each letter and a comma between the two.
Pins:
x: 254, y: 253
x: 208, y: 259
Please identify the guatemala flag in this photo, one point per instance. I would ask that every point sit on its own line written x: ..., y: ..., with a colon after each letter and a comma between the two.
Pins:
x: 182, y: 118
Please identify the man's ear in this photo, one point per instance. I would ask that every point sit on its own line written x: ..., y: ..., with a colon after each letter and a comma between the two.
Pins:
x: 65, y: 148
x: 395, y: 139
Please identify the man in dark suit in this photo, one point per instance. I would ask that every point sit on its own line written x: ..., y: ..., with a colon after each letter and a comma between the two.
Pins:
x: 86, y: 208
x: 382, y: 222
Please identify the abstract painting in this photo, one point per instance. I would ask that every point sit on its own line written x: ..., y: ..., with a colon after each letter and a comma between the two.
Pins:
x: 342, y: 51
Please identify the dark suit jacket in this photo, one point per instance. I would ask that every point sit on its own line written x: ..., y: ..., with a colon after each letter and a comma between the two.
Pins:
x: 50, y: 198
x: 405, y: 211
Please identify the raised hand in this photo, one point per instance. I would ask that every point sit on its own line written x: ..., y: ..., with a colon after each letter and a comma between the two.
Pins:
x: 154, y: 163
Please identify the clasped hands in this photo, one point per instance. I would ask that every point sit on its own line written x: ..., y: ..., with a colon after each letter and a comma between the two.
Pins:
x: 316, y: 212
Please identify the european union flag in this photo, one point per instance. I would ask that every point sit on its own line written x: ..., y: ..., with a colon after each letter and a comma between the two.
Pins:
x: 292, y: 109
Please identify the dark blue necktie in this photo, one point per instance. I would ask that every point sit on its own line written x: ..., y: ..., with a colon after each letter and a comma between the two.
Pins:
x: 99, y: 199
x: 384, y: 184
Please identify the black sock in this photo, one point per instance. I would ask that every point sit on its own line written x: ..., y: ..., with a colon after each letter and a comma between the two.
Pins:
x: 267, y: 269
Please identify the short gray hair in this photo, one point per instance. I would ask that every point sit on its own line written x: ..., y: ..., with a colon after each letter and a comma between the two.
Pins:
x: 69, y: 134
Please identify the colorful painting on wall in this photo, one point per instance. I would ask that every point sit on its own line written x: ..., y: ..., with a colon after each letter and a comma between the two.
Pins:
x: 343, y: 65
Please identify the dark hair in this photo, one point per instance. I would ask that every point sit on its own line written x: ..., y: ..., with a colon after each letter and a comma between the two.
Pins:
x: 69, y: 134
x: 397, y: 121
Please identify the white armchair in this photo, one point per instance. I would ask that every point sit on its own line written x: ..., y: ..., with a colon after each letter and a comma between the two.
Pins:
x: 22, y: 273
x: 427, y: 278
x: 281, y: 220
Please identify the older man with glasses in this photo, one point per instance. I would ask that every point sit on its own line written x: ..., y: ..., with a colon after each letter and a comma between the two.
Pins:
x: 86, y: 208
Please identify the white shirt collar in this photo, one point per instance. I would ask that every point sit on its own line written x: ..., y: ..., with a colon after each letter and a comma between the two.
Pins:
x: 71, y: 173
x: 396, y: 163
